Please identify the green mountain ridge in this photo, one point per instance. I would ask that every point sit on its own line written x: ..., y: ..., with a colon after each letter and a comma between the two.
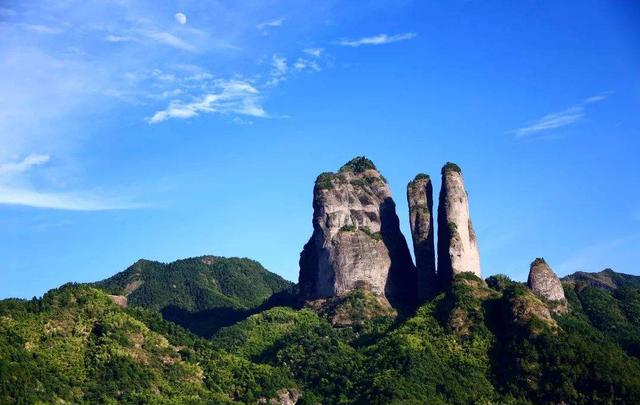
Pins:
x: 477, y: 342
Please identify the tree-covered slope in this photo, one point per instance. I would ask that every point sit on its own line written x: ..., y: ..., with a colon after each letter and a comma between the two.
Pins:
x: 202, y: 293
x: 195, y: 284
x: 477, y: 342
x: 76, y: 346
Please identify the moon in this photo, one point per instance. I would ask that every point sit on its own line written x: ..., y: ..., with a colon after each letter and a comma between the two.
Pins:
x: 181, y: 18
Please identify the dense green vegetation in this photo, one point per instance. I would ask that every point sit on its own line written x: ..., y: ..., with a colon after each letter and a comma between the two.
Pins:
x: 202, y: 293
x: 477, y: 342
x: 449, y: 166
x: 358, y: 165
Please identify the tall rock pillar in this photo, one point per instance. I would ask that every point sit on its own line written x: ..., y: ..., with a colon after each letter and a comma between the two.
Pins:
x: 356, y: 241
x: 457, y: 244
x: 420, y: 199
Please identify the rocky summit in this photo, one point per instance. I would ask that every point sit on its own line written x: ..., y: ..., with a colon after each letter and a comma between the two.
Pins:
x: 457, y: 245
x: 356, y: 240
x: 420, y: 199
x: 546, y: 285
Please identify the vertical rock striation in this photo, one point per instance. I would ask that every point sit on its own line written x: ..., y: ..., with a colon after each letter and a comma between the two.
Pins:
x: 420, y: 199
x: 545, y: 284
x: 457, y: 245
x: 356, y: 241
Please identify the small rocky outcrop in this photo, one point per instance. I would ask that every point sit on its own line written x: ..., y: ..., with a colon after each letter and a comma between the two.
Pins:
x: 119, y: 300
x: 545, y: 284
x: 525, y: 309
x: 457, y: 245
x: 354, y: 309
x: 283, y: 396
x: 356, y: 240
x: 420, y: 199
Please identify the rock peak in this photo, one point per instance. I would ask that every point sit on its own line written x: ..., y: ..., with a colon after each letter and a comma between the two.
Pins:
x: 546, y: 285
x: 358, y: 164
x: 420, y: 199
x: 356, y: 240
x: 457, y: 245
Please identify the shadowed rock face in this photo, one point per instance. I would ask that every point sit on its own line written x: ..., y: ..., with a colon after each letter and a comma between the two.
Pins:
x: 356, y: 241
x: 420, y: 199
x: 457, y: 245
x: 545, y: 284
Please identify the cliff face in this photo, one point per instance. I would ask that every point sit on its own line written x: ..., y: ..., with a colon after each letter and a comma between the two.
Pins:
x: 545, y: 284
x: 420, y: 199
x: 457, y: 245
x: 356, y: 241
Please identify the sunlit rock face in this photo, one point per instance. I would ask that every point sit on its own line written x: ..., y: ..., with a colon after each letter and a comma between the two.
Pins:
x: 356, y: 241
x: 457, y: 245
x: 420, y: 199
x: 545, y: 284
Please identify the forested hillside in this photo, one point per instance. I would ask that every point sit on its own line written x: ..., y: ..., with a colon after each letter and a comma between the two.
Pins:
x: 475, y: 343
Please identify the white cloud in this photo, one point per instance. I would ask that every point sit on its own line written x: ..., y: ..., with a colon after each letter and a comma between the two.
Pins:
x: 380, y: 39
x: 560, y: 119
x: 146, y: 35
x: 306, y: 64
x: 23, y: 165
x: 233, y: 96
x: 279, y: 63
x: 42, y: 29
x: 14, y: 190
x: 65, y: 201
x: 315, y: 52
x: 278, y: 71
x: 277, y: 22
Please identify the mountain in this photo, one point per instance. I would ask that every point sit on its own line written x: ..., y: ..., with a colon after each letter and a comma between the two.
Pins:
x: 212, y: 330
x: 201, y: 293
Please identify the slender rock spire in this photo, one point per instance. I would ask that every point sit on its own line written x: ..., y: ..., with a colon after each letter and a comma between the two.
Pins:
x: 457, y: 244
x: 420, y: 199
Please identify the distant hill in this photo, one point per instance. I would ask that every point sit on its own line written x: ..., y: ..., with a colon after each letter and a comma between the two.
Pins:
x: 195, y: 284
x: 606, y: 279
x: 200, y: 293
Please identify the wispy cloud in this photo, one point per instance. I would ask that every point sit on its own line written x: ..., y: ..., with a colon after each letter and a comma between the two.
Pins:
x: 380, y: 39
x: 74, y: 201
x: 25, y: 164
x: 264, y: 26
x: 560, y: 119
x: 315, y: 52
x: 599, y: 255
x: 15, y: 190
x: 233, y: 96
x: 160, y: 37
x: 42, y: 29
x: 279, y: 70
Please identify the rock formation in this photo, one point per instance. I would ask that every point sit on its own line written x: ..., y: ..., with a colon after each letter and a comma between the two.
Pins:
x: 545, y: 284
x: 457, y: 245
x: 356, y: 241
x: 420, y: 198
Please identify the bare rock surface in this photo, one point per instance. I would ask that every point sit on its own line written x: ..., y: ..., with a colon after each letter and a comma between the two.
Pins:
x: 119, y: 300
x: 420, y: 199
x: 356, y: 240
x: 545, y: 284
x: 457, y: 245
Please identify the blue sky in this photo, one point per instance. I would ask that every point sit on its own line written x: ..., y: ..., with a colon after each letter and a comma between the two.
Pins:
x: 163, y: 130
